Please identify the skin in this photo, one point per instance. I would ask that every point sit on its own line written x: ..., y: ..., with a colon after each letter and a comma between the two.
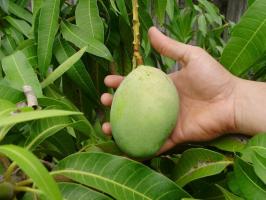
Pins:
x: 213, y: 102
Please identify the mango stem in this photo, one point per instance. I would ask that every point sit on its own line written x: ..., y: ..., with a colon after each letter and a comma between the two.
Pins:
x: 137, y: 58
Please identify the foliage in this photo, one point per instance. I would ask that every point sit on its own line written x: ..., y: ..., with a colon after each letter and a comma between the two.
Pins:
x: 56, y: 150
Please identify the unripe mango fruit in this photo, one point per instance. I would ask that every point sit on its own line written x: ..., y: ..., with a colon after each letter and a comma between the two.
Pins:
x: 144, y: 111
x: 6, y: 191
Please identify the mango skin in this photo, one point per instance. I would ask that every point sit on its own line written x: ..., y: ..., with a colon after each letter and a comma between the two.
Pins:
x: 144, y: 111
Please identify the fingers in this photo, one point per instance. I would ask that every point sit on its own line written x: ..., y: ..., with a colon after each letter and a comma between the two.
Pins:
x: 167, y: 145
x: 113, y: 81
x: 167, y: 46
x: 106, y: 127
x: 107, y: 99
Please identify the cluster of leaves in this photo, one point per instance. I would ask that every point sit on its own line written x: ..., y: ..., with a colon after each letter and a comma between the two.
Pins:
x: 56, y: 150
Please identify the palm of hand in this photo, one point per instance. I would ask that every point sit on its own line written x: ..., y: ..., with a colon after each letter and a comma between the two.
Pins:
x: 206, y: 99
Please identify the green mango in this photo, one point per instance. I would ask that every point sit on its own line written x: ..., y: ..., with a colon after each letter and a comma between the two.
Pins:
x: 144, y: 111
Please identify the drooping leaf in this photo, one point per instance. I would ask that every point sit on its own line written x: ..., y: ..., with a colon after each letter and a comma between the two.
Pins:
x: 61, y: 69
x: 10, y: 93
x: 228, y: 195
x: 257, y: 143
x: 20, y: 73
x: 197, y: 163
x: 47, y: 29
x: 231, y: 143
x: 19, y: 12
x: 15, y: 34
x: 123, y: 10
x: 44, y: 128
x: 202, y: 25
x: 78, y: 72
x: 249, y: 184
x: 259, y: 162
x: 8, y: 44
x: 72, y: 191
x: 34, y: 169
x: 20, y: 25
x: 247, y: 43
x: 160, y: 8
x: 29, y: 48
x: 119, y: 177
x: 88, y: 19
x: 14, y: 118
x: 80, y: 38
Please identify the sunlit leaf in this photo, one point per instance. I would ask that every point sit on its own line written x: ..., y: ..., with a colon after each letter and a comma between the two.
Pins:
x: 119, y: 177
x: 198, y: 163
x: 34, y: 169
x: 47, y: 28
x: 61, y: 69
x: 20, y: 25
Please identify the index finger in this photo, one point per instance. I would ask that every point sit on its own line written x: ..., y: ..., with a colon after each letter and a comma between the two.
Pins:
x: 113, y: 81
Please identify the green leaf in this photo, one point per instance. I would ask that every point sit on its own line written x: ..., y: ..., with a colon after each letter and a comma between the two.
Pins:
x: 257, y: 143
x: 88, y: 19
x: 32, y: 115
x: 197, y: 163
x: 4, y: 5
x: 249, y: 184
x: 15, y: 34
x: 61, y: 69
x: 10, y: 93
x: 78, y: 73
x: 80, y: 38
x: 160, y: 8
x: 247, y: 43
x: 29, y: 48
x: 19, y: 12
x: 211, y: 11
x: 259, y: 162
x: 119, y: 177
x: 20, y: 73
x: 202, y: 25
x: 123, y: 10
x: 47, y: 29
x: 72, y: 191
x: 170, y: 9
x: 20, y: 25
x: 34, y: 169
x: 231, y: 143
x: 229, y: 195
x: 8, y: 44
x: 44, y: 128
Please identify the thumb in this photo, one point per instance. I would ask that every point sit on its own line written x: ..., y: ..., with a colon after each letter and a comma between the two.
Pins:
x: 167, y: 46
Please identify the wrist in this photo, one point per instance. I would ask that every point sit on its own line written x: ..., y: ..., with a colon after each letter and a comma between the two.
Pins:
x: 250, y: 107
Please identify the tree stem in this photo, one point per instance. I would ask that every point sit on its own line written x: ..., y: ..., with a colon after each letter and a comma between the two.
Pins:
x: 137, y: 58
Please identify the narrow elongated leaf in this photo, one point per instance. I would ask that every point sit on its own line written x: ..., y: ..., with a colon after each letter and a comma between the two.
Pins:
x: 247, y: 43
x: 228, y: 195
x: 78, y: 72
x: 80, y: 38
x: 47, y: 28
x: 231, y: 143
x: 160, y: 8
x: 259, y: 162
x: 15, y: 34
x: 72, y: 191
x: 61, y: 69
x: 44, y: 128
x: 249, y: 184
x: 19, y: 12
x: 10, y: 94
x: 29, y: 48
x: 10, y: 119
x: 20, y: 25
x: 20, y: 73
x: 123, y: 10
x: 119, y: 177
x: 198, y: 163
x: 88, y: 19
x: 34, y: 169
x: 8, y: 44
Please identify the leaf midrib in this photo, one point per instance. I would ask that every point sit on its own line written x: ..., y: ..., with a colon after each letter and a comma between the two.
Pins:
x: 181, y: 178
x: 71, y: 171
x: 245, y: 46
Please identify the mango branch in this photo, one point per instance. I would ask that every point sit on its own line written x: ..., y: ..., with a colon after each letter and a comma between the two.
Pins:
x: 137, y: 58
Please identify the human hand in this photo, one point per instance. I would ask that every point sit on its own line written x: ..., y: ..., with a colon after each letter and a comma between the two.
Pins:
x: 206, y: 91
